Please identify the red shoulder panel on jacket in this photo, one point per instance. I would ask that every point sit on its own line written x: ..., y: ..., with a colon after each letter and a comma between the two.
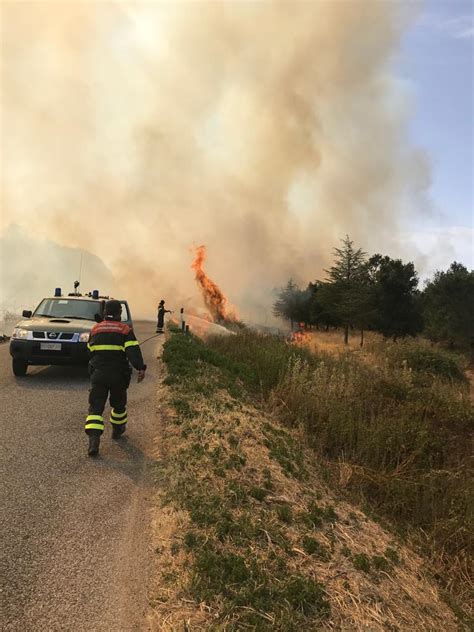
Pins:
x: 110, y: 326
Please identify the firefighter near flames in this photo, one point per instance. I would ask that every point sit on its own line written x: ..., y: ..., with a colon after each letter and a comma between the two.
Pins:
x: 160, y: 323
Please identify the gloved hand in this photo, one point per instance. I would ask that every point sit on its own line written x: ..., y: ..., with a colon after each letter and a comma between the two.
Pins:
x: 141, y: 375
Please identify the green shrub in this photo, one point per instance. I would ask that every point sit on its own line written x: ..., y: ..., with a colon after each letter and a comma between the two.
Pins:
x: 306, y: 595
x: 219, y: 570
x: 361, y: 562
x: 185, y: 357
x: 285, y: 513
x: 316, y: 515
x: 246, y: 585
x: 424, y: 358
x: 258, y: 493
x: 182, y: 407
x: 313, y: 547
x: 264, y: 357
x: 392, y: 555
x: 436, y: 363
x: 380, y: 563
x: 192, y: 539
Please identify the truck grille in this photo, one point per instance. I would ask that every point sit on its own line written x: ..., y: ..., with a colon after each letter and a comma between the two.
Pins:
x: 43, y: 335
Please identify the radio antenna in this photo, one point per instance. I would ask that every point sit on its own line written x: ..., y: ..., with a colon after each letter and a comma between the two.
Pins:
x: 80, y: 267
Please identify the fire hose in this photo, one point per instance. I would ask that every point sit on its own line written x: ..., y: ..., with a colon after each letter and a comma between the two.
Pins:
x: 154, y: 336
x: 150, y: 338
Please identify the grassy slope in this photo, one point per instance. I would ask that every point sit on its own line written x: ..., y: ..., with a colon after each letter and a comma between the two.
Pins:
x: 396, y: 423
x: 250, y: 536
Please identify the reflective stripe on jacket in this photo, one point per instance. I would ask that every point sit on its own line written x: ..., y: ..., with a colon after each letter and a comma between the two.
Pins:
x: 113, y: 343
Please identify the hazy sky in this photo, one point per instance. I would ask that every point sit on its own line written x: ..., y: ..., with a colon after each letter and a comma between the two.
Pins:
x: 436, y: 57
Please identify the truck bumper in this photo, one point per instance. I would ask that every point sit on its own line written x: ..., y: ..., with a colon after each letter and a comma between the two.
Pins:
x: 32, y: 353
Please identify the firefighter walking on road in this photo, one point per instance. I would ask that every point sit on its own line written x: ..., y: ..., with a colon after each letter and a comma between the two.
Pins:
x: 113, y: 346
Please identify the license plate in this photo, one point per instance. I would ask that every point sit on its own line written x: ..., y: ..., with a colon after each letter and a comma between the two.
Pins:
x: 50, y: 346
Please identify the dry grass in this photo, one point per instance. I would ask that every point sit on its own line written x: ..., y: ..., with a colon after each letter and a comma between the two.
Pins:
x: 470, y: 377
x: 333, y: 341
x: 169, y: 610
x: 243, y: 505
x: 398, y: 414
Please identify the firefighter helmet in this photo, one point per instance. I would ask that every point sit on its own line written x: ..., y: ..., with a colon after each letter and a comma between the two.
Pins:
x: 113, y: 308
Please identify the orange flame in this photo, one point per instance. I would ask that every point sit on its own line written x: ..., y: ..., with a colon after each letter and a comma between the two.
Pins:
x: 214, y: 299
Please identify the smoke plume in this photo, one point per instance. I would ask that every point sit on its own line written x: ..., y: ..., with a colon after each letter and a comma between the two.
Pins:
x: 266, y: 130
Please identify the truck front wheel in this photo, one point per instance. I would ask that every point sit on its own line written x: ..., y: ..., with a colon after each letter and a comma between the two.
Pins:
x: 20, y: 367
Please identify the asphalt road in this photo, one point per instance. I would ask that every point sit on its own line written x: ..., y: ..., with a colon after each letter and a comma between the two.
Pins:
x: 74, y: 530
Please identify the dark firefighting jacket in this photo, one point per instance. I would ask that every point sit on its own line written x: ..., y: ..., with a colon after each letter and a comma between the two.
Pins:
x: 161, y: 315
x: 112, y: 345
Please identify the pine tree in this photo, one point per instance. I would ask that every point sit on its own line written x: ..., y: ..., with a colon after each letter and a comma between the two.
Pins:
x: 289, y: 303
x: 448, y: 307
x: 345, y: 278
x: 349, y: 263
x: 397, y: 298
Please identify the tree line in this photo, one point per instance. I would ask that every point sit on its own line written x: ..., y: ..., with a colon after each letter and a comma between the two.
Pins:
x: 382, y: 294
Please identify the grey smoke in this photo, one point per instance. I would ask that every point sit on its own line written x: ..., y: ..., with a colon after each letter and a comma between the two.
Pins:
x: 265, y: 130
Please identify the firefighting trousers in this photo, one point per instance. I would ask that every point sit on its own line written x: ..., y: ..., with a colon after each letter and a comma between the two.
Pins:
x: 103, y: 387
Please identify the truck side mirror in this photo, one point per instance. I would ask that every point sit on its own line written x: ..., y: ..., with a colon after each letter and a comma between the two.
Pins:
x: 26, y: 313
x: 97, y: 318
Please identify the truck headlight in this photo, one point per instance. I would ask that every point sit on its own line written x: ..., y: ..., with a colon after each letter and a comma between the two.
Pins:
x: 84, y: 337
x: 20, y: 333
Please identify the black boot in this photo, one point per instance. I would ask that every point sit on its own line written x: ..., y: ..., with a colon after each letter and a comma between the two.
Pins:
x: 94, y: 442
x: 117, y: 431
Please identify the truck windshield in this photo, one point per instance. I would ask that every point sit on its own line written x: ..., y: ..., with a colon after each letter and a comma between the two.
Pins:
x: 66, y: 308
